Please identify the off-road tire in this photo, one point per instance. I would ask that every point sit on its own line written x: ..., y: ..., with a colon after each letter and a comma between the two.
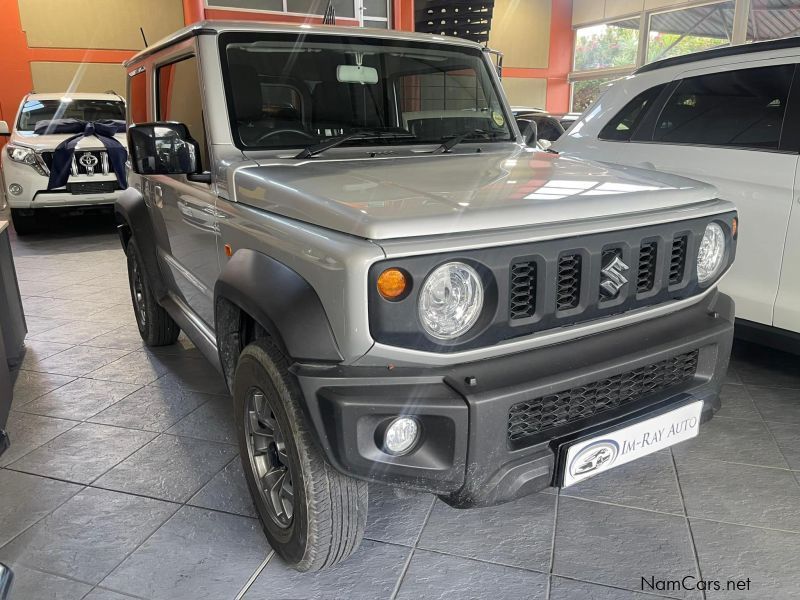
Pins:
x: 23, y: 224
x: 156, y: 326
x: 329, y: 508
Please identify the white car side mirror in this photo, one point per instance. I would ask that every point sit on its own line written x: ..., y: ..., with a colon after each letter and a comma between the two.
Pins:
x: 4, y: 130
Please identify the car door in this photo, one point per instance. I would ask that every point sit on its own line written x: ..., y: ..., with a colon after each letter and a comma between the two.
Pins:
x: 188, y: 208
x: 787, y: 305
x: 722, y: 125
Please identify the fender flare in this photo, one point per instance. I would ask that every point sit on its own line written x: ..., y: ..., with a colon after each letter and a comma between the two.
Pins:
x: 282, y: 302
x: 133, y: 220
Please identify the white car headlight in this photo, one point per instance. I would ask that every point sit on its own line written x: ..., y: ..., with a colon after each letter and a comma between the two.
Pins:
x: 450, y: 300
x: 711, y: 255
x: 21, y: 154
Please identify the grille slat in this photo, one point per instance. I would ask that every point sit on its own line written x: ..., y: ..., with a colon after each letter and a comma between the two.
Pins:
x: 677, y: 261
x: 522, y: 296
x: 528, y: 419
x: 569, y: 281
x: 648, y: 259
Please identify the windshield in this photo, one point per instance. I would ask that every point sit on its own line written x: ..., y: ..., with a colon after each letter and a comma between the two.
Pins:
x: 34, y: 111
x: 288, y: 91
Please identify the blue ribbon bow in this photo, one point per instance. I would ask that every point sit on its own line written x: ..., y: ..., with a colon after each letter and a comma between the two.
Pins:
x: 104, y: 130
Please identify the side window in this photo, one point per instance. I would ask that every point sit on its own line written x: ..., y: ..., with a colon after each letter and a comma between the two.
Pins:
x: 179, y: 99
x: 137, y: 97
x: 625, y: 122
x: 741, y: 108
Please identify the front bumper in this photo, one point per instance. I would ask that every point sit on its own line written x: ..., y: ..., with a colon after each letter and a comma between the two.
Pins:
x: 35, y: 194
x: 465, y: 454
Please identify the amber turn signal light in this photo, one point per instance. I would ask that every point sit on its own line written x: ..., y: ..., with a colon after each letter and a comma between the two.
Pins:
x: 392, y: 284
x: 734, y: 227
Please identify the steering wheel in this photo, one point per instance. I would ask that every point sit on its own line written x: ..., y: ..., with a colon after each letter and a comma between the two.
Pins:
x: 280, y: 131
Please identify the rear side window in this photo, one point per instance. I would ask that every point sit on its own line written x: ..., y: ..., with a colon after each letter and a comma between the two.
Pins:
x: 625, y: 122
x: 741, y: 109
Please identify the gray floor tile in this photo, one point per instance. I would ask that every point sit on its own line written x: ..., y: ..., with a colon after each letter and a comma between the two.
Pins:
x: 30, y: 584
x: 227, y: 491
x: 29, y: 385
x: 151, y: 408
x: 224, y: 551
x: 103, y: 594
x: 192, y: 374
x: 137, y: 367
x: 734, y: 440
x: 736, y: 493
x: 24, y: 499
x: 517, y: 534
x: 439, y: 577
x: 732, y: 552
x: 617, y: 546
x: 777, y: 404
x: 123, y: 338
x: 370, y: 574
x: 787, y: 436
x: 28, y: 432
x: 396, y: 515
x: 73, y: 332
x: 212, y: 421
x: 732, y: 376
x: 77, y: 361
x: 37, y: 325
x: 759, y: 365
x: 80, y: 399
x: 36, y: 350
x: 83, y: 453
x: 118, y: 314
x: 737, y: 403
x: 569, y: 589
x: 89, y: 535
x: 647, y: 483
x: 169, y: 468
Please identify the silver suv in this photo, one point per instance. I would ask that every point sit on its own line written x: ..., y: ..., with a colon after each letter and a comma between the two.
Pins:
x: 397, y: 289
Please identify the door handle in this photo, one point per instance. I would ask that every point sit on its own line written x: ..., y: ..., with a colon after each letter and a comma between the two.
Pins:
x: 159, y: 196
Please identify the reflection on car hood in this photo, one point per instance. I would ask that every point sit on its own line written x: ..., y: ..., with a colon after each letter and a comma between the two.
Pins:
x: 423, y: 194
x: 43, y: 143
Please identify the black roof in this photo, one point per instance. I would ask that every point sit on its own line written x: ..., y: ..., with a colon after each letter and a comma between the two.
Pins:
x: 780, y: 44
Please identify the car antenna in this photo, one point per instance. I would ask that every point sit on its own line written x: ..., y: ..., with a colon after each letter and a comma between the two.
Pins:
x: 141, y: 29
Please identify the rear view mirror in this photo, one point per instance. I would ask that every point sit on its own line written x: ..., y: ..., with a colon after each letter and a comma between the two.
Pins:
x: 163, y: 149
x: 529, y: 130
x: 4, y: 130
x: 356, y: 74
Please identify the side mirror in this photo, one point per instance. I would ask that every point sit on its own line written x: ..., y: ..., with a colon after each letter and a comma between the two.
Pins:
x: 4, y: 130
x: 163, y: 149
x: 530, y: 131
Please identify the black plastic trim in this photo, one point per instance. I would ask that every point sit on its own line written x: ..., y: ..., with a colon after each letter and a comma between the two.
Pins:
x: 282, y: 302
x: 767, y: 335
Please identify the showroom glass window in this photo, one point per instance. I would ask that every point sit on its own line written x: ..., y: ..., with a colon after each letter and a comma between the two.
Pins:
x: 137, y: 97
x: 679, y: 32
x: 179, y: 99
x: 742, y: 108
x: 625, y: 122
x: 285, y: 92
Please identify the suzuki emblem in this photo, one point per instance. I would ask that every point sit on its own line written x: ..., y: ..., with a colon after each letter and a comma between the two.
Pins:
x: 612, y: 278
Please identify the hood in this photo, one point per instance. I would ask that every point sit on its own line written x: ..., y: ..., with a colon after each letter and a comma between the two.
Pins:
x: 424, y: 194
x: 43, y: 143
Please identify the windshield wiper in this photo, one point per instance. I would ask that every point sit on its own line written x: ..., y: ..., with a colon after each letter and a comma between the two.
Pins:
x: 451, y: 143
x: 310, y: 151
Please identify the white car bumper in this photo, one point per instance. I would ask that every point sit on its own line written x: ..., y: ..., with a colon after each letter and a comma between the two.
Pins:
x: 102, y: 189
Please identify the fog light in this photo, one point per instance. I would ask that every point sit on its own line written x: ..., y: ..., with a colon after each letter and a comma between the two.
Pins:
x: 15, y: 189
x: 401, y: 435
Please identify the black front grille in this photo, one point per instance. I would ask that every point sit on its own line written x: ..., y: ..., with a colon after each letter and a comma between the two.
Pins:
x: 648, y: 259
x: 677, y: 261
x: 569, y: 281
x: 527, y: 420
x: 522, y: 296
x: 95, y: 163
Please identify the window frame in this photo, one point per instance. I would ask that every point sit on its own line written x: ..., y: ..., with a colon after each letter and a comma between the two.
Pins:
x: 655, y: 105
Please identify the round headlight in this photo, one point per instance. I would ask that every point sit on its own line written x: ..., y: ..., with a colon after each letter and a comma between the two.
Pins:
x: 450, y: 300
x: 711, y: 255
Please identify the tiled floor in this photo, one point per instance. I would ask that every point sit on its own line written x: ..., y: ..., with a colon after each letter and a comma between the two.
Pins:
x: 123, y: 481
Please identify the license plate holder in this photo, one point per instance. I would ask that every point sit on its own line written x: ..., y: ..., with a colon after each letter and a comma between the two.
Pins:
x: 601, y: 451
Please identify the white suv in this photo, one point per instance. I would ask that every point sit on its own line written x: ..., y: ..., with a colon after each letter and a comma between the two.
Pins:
x: 729, y: 117
x: 27, y: 157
